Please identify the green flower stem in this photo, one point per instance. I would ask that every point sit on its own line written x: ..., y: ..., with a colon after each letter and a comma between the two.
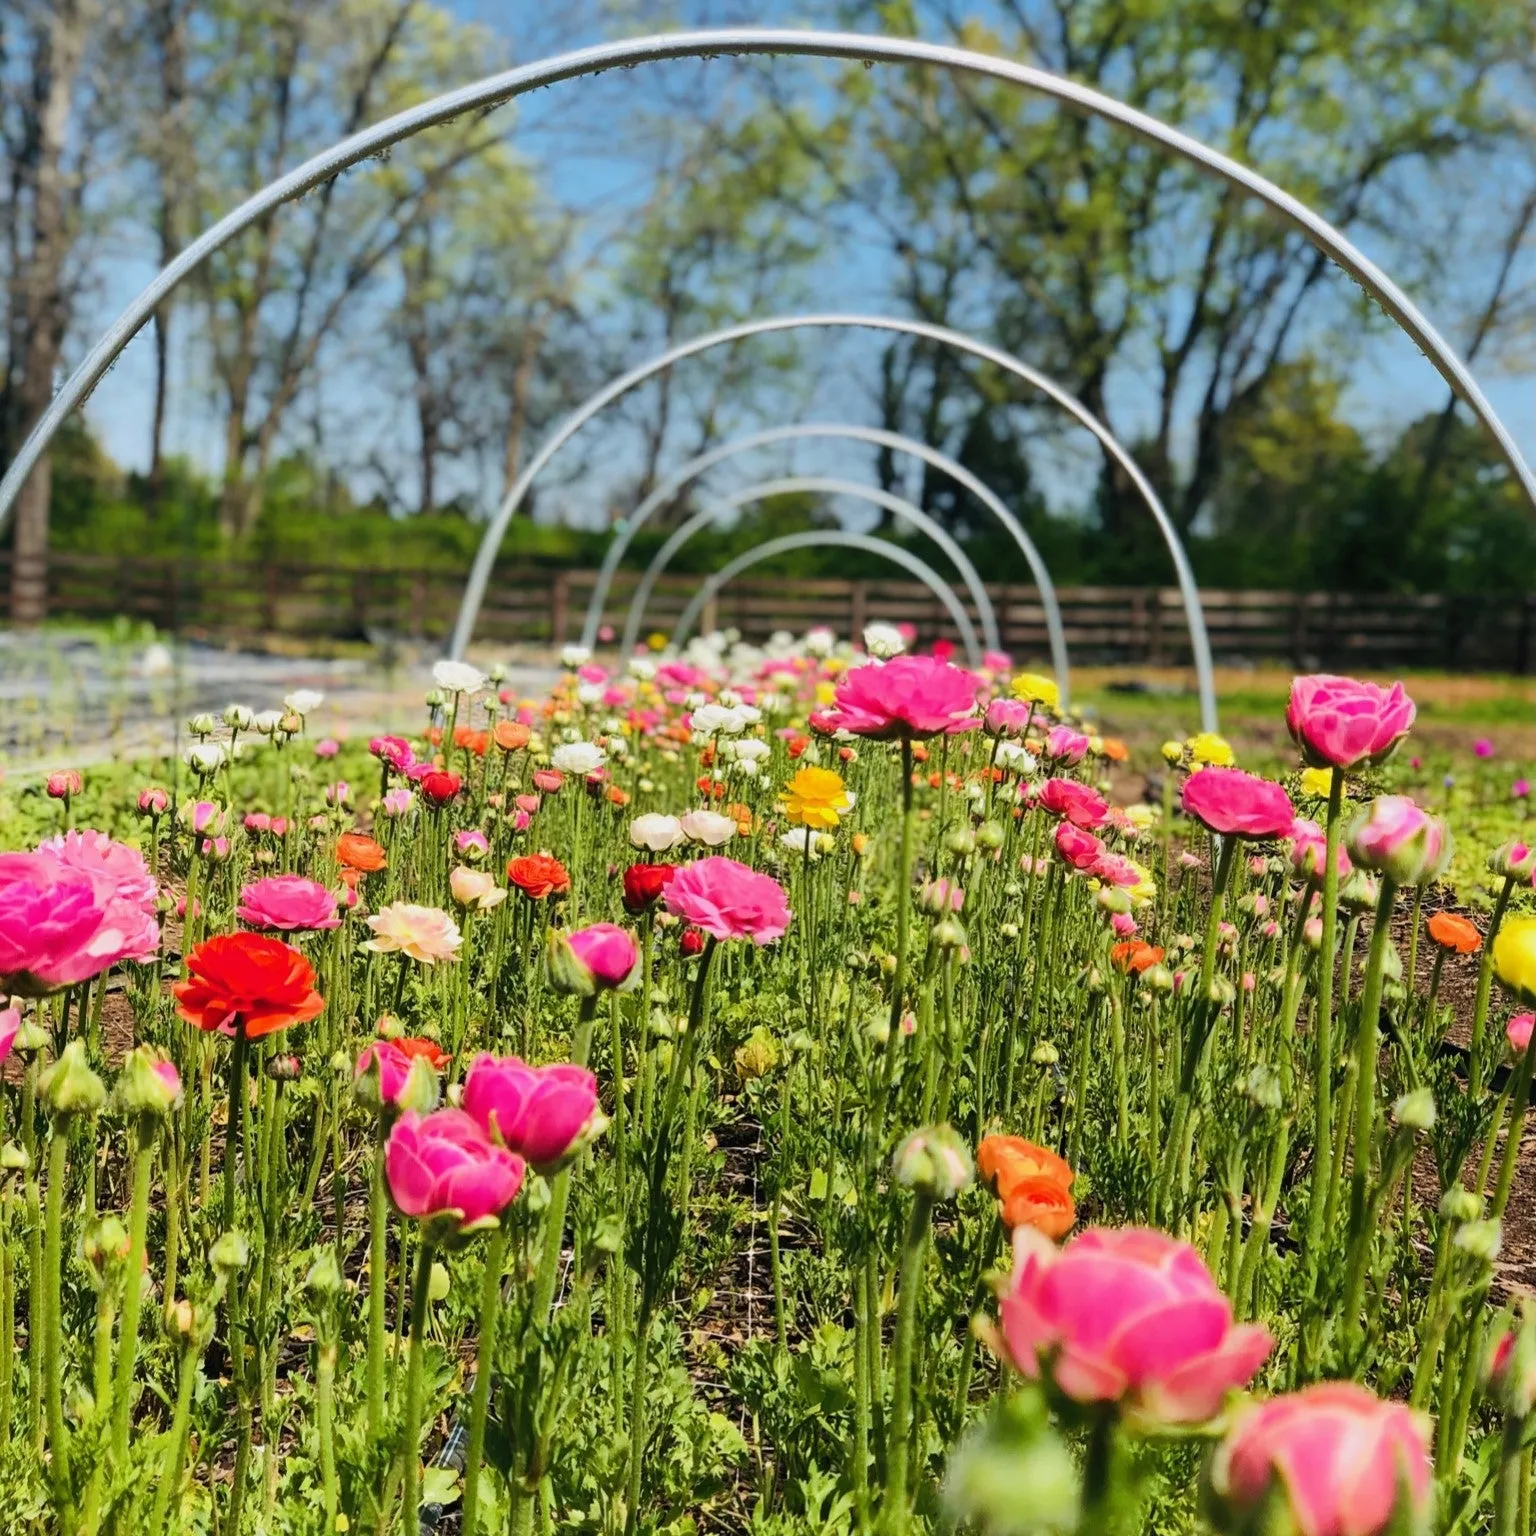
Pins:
x: 52, y: 1341
x: 903, y: 901
x: 1437, y: 1319
x: 7, y: 1312
x: 37, y: 1310
x: 1520, y: 1097
x: 1485, y: 988
x: 1507, y: 1488
x: 780, y: 1321
x: 235, y: 1122
x: 169, y: 1481
x: 1322, y: 1151
x: 560, y: 1190
x: 325, y: 1422
x: 410, y: 1446
x: 485, y: 1354
x: 895, y: 1511
x: 1367, y: 1054
x: 133, y: 1290
x: 373, y: 1374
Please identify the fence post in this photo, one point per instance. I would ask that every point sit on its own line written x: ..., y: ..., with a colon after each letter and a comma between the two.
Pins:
x: 559, y: 606
x: 709, y: 620
x: 858, y: 607
x: 1155, y: 630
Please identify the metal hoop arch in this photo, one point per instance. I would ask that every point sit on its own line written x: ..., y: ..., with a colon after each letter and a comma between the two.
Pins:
x: 505, y: 86
x: 628, y: 527
x: 824, y: 485
x: 817, y: 538
x: 1189, y: 591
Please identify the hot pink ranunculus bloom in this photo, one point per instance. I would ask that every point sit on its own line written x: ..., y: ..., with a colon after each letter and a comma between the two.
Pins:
x: 10, y: 1022
x: 1127, y: 1315
x: 728, y: 900
x: 1517, y: 1031
x: 1342, y: 1459
x: 545, y: 1114
x: 395, y: 751
x: 1064, y: 745
x: 59, y: 925
x: 607, y: 951
x: 1339, y: 722
x: 443, y: 1168
x: 1399, y: 839
x: 908, y: 696
x: 287, y: 903
x: 118, y: 870
x: 1075, y: 802
x: 1238, y: 804
x: 1309, y: 852
x: 1081, y: 849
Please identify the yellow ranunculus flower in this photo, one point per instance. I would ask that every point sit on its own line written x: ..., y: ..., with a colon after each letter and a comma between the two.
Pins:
x: 816, y: 797
x: 1514, y: 956
x: 1036, y: 688
x: 1173, y: 752
x: 656, y: 641
x: 1145, y: 888
x: 826, y: 694
x: 1141, y: 816
x: 1317, y: 782
x: 1207, y: 749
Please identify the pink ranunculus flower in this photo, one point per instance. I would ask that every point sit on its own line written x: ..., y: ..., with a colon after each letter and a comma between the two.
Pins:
x: 1064, y: 745
x: 606, y: 952
x: 394, y: 751
x: 60, y: 925
x: 394, y: 1063
x: 444, y: 1170
x: 327, y: 748
x: 1341, y: 723
x: 472, y: 842
x: 1007, y: 717
x: 122, y: 879
x: 1112, y: 869
x: 1482, y: 747
x: 728, y: 900
x: 545, y: 1114
x: 397, y: 802
x: 907, y: 697
x: 1130, y: 1316
x: 10, y: 1022
x: 1309, y: 852
x: 287, y: 903
x: 1345, y: 1462
x: 1518, y: 1032
x: 1074, y: 802
x: 1124, y: 925
x: 1401, y: 840
x: 1078, y: 848
x: 1238, y: 804
x: 256, y: 821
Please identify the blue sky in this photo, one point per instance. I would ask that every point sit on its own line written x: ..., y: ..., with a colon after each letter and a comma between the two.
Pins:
x: 1389, y: 381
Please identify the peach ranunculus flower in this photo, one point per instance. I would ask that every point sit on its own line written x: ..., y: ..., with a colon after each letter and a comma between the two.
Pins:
x: 427, y: 934
x: 476, y: 888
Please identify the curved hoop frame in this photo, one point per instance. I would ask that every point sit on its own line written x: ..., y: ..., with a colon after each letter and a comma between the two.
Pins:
x: 822, y: 538
x: 512, y: 83
x: 823, y: 485
x: 627, y: 528
x: 485, y: 556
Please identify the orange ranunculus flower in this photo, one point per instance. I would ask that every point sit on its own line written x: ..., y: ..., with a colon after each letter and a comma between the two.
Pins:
x: 538, y: 876
x: 616, y: 796
x: 512, y: 735
x: 741, y: 815
x: 1033, y: 1185
x: 247, y: 981
x: 919, y: 752
x: 1133, y: 955
x: 476, y: 741
x: 1455, y: 933
x: 1115, y: 749
x: 356, y: 850
x: 429, y: 1050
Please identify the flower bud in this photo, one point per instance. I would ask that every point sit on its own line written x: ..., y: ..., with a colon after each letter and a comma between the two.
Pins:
x: 1479, y: 1240
x: 69, y: 1087
x: 1400, y: 840
x: 1013, y: 1476
x: 1415, y: 1111
x: 201, y: 725
x: 935, y: 1162
x: 324, y: 1282
x: 939, y: 896
x: 30, y: 1038
x: 153, y: 802
x: 1511, y: 1370
x: 1261, y: 1087
x: 148, y: 1089
x: 758, y: 1056
x: 14, y: 1159
x: 1045, y: 1054
x: 1514, y: 861
x: 437, y: 1283
x: 1360, y: 892
x: 1157, y: 978
x: 1221, y: 991
x: 1460, y: 1205
x: 1112, y: 898
x: 230, y: 1254
x: 104, y: 1247
x: 990, y: 834
x: 960, y: 841
x: 949, y: 933
x: 284, y: 1069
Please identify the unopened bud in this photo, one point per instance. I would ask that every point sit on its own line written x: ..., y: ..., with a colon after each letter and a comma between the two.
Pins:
x: 935, y: 1162
x: 1415, y: 1111
x: 1460, y: 1205
x: 69, y: 1087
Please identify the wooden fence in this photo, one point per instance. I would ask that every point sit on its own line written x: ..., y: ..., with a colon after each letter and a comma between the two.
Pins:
x: 324, y: 606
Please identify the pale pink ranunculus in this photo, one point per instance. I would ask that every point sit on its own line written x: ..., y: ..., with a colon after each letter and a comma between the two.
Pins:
x: 1077, y: 803
x: 545, y: 1114
x: 1112, y: 869
x: 59, y: 925
x: 1124, y: 925
x: 1401, y: 840
x: 1007, y: 717
x: 1238, y: 804
x: 1518, y: 1031
x: 471, y: 841
x: 1064, y: 745
x: 1130, y: 1316
x: 442, y: 1168
x: 728, y: 900
x: 10, y: 1022
x: 1309, y: 852
x: 606, y: 952
x: 1346, y: 1462
x: 1077, y: 847
x: 908, y: 696
x: 1339, y: 722
x: 426, y: 934
x: 287, y: 904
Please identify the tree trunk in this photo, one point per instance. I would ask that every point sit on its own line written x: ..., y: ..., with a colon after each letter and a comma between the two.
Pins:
x: 42, y: 292
x: 171, y: 162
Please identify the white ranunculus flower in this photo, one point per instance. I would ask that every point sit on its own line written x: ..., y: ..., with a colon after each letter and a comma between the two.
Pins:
x: 642, y: 667
x: 819, y: 642
x: 575, y: 655
x: 457, y: 677
x: 589, y: 694
x: 238, y: 717
x: 748, y: 769
x: 1012, y: 758
x: 205, y: 757
x: 578, y: 757
x: 883, y: 640
x: 717, y: 720
x: 655, y: 832
x: 752, y: 749
x: 266, y: 721
x: 750, y: 713
x: 304, y: 701
x: 798, y: 838
x: 708, y: 827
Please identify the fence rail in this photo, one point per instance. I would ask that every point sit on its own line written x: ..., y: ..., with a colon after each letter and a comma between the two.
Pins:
x: 324, y: 606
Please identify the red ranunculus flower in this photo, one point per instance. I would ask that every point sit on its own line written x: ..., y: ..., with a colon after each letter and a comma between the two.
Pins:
x: 538, y: 876
x: 429, y: 1050
x: 440, y: 787
x: 643, y: 885
x: 250, y: 980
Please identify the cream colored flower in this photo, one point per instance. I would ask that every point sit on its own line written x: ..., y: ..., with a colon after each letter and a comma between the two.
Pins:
x: 426, y: 934
x: 653, y: 831
x: 475, y: 888
x: 708, y: 828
